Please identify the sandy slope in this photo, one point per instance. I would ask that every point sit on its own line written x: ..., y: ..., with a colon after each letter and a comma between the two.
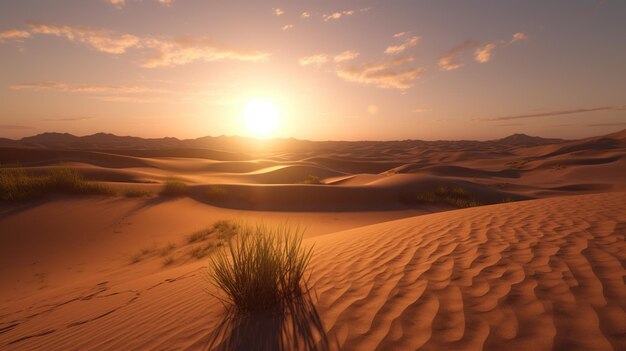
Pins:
x: 543, y: 274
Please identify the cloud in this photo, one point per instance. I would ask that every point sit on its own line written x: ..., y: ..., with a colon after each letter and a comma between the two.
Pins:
x: 400, y: 35
x: 346, y: 56
x: 278, y: 12
x: 555, y: 113
x: 337, y: 15
x: 287, y: 27
x: 164, y: 52
x: 117, y: 3
x: 607, y: 124
x: 128, y: 99
x: 305, y: 14
x: 182, y: 51
x: 99, y: 39
x: 450, y: 60
x: 87, y: 88
x: 317, y: 60
x: 391, y: 74
x: 14, y: 34
x: 421, y: 110
x: 483, y: 53
x: 396, y: 49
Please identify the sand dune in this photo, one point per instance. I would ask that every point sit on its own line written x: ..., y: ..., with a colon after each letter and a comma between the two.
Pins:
x: 544, y: 274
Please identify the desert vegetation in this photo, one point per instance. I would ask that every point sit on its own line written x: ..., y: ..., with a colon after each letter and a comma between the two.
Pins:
x: 455, y: 196
x: 16, y: 184
x: 174, y: 188
x: 311, y: 179
x: 264, y: 268
x: 216, y: 193
x: 136, y: 193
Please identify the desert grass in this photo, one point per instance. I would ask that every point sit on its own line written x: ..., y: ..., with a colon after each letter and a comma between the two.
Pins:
x: 168, y: 261
x: 16, y: 184
x: 264, y: 268
x: 311, y: 179
x: 216, y: 193
x: 455, y: 196
x: 174, y: 188
x: 136, y: 193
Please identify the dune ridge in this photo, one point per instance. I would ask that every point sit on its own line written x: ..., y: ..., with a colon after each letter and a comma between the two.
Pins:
x: 542, y: 274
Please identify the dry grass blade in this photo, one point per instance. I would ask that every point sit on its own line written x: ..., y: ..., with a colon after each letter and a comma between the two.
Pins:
x: 263, y: 268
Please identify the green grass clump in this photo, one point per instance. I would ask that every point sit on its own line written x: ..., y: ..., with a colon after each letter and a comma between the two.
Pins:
x: 174, y: 187
x: 134, y: 193
x: 16, y: 184
x: 264, y: 268
x: 311, y: 179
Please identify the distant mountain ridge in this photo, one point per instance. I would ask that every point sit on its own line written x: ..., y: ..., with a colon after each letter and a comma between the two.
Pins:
x: 104, y: 141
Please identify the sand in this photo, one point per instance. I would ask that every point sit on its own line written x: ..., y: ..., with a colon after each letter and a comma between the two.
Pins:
x: 542, y: 274
x: 546, y: 272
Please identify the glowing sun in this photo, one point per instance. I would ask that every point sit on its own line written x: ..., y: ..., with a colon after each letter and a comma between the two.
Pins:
x: 262, y: 117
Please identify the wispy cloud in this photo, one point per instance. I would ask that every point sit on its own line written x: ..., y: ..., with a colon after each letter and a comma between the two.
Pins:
x: 14, y: 34
x: 556, y: 113
x: 87, y: 88
x: 318, y: 59
x: 305, y: 14
x: 451, y: 60
x: 346, y: 56
x: 337, y: 15
x: 278, y: 12
x: 287, y: 27
x: 117, y: 3
x: 100, y: 39
x: 408, y: 43
x: 390, y: 74
x: 400, y: 35
x: 162, y: 52
x: 482, y: 54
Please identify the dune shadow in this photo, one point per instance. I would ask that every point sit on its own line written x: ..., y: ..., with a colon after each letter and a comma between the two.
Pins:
x: 294, y: 326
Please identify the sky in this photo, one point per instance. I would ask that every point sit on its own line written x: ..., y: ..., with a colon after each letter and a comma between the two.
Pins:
x: 330, y: 70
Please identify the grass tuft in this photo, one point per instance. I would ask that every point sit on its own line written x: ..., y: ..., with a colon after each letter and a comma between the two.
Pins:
x: 174, y: 187
x: 16, y: 184
x: 457, y: 197
x: 134, y: 193
x: 216, y: 193
x: 263, y: 268
x: 311, y: 179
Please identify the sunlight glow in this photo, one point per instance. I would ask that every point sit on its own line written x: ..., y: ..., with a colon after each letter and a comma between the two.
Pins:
x: 262, y: 117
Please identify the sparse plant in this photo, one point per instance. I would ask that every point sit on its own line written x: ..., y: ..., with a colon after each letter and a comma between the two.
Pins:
x: 168, y: 261
x: 167, y: 249
x: 201, y: 251
x: 174, y: 188
x: 426, y: 197
x: 198, y: 236
x: 264, y: 268
x: 16, y: 184
x: 216, y: 193
x: 441, y: 190
x: 135, y: 193
x: 312, y: 179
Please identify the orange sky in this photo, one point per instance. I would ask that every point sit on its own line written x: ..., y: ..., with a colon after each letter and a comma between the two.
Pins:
x: 334, y: 70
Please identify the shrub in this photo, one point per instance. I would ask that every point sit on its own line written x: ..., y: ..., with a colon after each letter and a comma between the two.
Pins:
x: 174, y: 188
x: 216, y: 193
x: 263, y: 268
x: 426, y: 197
x: 17, y: 184
x: 137, y: 193
x: 168, y: 261
x: 311, y: 179
x: 198, y: 236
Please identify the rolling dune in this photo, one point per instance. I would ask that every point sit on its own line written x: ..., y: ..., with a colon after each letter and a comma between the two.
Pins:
x: 544, y: 274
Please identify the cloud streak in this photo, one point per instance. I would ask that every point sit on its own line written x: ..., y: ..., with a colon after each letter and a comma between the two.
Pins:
x: 556, y: 113
x: 87, y: 88
x: 100, y: 39
x: 337, y: 15
x: 14, y: 34
x: 390, y: 74
x: 396, y: 49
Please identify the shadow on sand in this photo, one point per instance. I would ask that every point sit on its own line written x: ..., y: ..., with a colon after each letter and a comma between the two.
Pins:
x: 294, y: 326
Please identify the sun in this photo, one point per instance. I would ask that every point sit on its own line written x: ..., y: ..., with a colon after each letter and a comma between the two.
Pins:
x: 261, y: 117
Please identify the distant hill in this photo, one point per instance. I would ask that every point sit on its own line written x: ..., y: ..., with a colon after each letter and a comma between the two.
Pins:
x: 107, y: 141
x: 527, y: 140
